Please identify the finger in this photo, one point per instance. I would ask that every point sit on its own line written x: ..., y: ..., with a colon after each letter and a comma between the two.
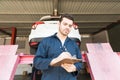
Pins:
x: 67, y: 53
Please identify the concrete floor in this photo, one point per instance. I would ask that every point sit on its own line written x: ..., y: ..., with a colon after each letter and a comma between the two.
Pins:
x: 27, y: 77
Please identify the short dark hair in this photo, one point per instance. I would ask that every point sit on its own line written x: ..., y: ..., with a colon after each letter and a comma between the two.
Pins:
x: 68, y: 16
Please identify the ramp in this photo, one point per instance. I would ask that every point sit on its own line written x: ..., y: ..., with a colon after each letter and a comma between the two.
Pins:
x: 8, y: 49
x: 9, y: 61
x: 8, y: 65
x: 104, y: 64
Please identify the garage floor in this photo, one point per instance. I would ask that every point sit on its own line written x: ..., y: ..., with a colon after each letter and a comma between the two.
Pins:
x: 80, y: 77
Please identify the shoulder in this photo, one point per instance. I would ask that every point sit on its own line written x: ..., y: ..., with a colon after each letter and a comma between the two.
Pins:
x: 48, y: 40
x: 73, y: 42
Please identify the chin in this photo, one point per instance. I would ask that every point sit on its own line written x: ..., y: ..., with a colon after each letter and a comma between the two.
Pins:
x: 65, y: 34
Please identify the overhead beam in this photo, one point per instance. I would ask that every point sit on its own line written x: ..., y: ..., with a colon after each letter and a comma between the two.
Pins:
x: 75, y: 21
x: 94, y: 21
x: 17, y: 22
x: 55, y: 6
x: 112, y: 25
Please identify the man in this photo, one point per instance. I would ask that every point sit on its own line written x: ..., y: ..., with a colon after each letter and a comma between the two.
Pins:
x: 55, y: 48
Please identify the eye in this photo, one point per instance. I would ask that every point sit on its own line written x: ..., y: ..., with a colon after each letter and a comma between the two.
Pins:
x: 70, y: 26
x: 65, y: 24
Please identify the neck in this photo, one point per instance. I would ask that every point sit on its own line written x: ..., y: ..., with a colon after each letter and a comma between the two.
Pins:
x: 61, y: 37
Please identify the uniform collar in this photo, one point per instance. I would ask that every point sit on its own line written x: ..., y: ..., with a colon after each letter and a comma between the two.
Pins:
x: 55, y: 36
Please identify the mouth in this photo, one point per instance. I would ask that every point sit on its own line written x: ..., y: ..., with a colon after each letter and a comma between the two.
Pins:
x: 67, y: 31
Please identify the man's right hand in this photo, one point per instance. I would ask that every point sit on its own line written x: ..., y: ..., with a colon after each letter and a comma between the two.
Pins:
x: 62, y: 56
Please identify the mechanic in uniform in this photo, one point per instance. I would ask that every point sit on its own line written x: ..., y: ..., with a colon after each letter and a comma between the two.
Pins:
x: 55, y: 48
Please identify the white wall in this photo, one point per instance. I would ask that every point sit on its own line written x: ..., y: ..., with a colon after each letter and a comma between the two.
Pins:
x: 2, y: 41
x: 23, y: 45
x: 101, y: 37
x: 85, y: 40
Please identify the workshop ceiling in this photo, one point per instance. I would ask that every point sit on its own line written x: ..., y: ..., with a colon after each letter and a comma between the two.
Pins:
x: 91, y: 15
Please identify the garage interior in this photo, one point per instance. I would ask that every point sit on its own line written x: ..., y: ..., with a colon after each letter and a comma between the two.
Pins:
x: 98, y: 20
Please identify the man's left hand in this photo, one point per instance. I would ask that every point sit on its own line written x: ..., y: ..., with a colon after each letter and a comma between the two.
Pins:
x: 69, y: 67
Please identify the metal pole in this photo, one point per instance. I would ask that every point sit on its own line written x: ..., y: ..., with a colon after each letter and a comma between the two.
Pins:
x: 13, y: 36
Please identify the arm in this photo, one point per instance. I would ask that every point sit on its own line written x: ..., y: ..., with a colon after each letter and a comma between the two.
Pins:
x: 79, y: 56
x: 41, y: 61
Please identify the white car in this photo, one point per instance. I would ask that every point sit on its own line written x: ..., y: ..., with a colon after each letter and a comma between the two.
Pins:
x: 47, y: 26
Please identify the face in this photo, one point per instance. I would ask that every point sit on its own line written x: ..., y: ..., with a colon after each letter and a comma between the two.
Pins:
x: 65, y: 26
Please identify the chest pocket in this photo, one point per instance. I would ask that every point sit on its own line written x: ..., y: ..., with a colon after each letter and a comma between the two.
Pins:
x: 72, y: 50
x: 53, y: 51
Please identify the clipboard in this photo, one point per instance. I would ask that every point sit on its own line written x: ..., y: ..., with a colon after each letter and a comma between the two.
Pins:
x: 67, y: 60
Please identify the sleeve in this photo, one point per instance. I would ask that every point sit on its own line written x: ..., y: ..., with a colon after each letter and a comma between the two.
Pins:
x: 78, y: 64
x: 40, y: 60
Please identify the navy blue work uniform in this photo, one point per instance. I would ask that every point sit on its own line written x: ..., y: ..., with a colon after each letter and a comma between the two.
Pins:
x: 50, y: 48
